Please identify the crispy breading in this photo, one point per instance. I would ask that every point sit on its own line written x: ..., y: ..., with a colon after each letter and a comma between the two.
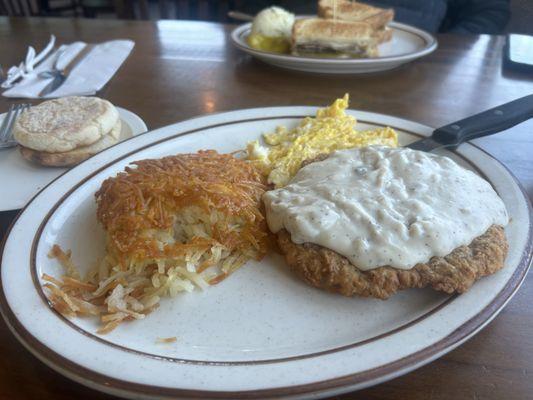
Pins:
x: 456, y: 272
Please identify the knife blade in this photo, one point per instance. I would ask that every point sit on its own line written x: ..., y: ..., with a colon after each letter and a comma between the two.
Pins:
x: 57, y: 81
x: 61, y: 75
x: 485, y: 123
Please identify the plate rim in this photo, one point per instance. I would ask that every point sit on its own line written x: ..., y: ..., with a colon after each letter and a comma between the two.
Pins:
x: 430, y: 40
x: 134, y: 118
x: 399, y: 366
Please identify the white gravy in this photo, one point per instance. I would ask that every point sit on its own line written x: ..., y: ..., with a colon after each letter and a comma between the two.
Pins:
x: 385, y: 206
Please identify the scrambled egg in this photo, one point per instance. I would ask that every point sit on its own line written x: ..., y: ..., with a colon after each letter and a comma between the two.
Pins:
x: 331, y: 129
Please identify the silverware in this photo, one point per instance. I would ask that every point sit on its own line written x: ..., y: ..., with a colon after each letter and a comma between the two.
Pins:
x: 240, y: 16
x: 486, y: 123
x: 59, y: 76
x: 6, y: 129
x: 54, y: 70
x: 27, y: 67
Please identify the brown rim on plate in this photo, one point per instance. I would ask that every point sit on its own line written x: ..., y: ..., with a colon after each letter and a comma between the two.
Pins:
x: 95, y: 379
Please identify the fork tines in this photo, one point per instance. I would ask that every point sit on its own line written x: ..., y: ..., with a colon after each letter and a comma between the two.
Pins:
x: 6, y: 129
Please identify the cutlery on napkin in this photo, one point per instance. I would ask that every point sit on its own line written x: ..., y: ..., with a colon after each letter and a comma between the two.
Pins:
x: 86, y: 77
x: 59, y: 76
x: 26, y: 68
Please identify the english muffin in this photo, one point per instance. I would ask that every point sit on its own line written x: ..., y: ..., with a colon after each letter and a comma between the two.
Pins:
x: 72, y: 157
x: 64, y: 124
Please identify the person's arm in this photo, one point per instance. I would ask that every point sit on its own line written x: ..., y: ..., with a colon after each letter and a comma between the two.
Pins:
x: 478, y: 16
x: 252, y: 7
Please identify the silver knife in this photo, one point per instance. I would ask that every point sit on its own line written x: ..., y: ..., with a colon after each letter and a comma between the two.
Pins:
x: 60, y: 75
x: 486, y: 123
x: 240, y: 16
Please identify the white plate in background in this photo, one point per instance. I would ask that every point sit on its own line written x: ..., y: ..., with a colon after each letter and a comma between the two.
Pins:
x: 408, y: 43
x: 261, y: 332
x: 22, y: 179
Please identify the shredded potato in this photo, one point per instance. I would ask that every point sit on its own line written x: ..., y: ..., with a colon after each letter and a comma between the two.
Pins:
x: 171, y: 225
x: 172, y: 339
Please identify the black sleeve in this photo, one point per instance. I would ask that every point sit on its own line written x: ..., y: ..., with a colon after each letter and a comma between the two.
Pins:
x: 477, y: 16
x: 254, y: 6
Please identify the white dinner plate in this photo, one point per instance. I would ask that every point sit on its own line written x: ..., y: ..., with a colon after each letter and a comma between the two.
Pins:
x: 261, y: 332
x: 22, y: 179
x: 408, y: 43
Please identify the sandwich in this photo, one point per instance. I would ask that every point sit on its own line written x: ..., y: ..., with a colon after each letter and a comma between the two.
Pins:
x: 328, y: 37
x: 345, y: 10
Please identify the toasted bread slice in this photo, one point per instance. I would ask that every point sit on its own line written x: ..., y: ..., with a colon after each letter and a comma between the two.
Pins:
x: 340, y: 38
x: 357, y: 12
x: 384, y: 35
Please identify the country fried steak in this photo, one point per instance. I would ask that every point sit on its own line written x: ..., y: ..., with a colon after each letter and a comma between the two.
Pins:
x: 456, y: 272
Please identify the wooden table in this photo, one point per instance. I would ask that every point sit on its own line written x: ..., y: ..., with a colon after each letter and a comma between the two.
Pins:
x: 182, y: 69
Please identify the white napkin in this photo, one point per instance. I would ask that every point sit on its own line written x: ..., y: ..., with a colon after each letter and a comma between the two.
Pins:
x: 89, y: 76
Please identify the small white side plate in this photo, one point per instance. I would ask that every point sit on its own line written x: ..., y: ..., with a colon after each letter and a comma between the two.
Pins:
x: 21, y: 179
x: 408, y: 43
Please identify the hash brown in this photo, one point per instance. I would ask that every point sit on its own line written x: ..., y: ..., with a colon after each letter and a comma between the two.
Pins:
x: 171, y: 224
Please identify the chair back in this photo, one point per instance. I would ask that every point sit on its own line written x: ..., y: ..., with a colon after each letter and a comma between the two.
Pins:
x: 20, y: 8
x: 206, y: 10
x: 521, y: 17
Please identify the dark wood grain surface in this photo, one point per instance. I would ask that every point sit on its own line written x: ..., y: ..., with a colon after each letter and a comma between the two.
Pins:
x: 183, y: 69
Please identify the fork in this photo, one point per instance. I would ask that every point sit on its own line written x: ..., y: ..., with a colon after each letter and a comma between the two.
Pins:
x: 6, y: 129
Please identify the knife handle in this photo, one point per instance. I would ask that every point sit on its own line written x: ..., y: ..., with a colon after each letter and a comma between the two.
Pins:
x: 486, y: 123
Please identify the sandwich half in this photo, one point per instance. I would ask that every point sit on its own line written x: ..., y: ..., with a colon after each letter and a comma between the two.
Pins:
x: 353, y: 11
x: 327, y: 37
